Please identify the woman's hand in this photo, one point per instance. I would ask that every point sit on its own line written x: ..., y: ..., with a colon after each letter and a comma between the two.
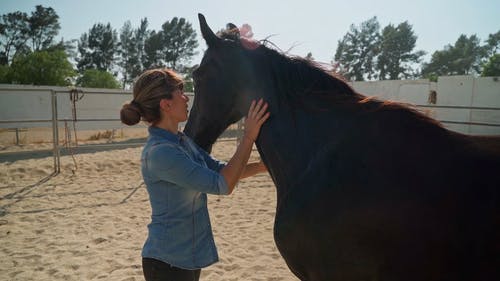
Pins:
x: 257, y: 115
x: 234, y: 169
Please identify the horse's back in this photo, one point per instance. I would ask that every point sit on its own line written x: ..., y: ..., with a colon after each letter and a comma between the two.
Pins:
x: 416, y: 219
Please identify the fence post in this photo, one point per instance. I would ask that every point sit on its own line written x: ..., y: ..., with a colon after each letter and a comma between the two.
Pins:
x: 55, y: 133
x: 17, y: 136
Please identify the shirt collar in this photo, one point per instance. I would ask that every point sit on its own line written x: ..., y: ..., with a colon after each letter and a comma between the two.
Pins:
x: 162, y: 133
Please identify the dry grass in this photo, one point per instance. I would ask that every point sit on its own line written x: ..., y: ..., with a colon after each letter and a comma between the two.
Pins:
x: 108, y: 134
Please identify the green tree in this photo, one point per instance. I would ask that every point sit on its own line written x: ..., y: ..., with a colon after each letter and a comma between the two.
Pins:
x: 179, y: 42
x: 141, y: 34
x: 463, y: 58
x: 14, y: 32
x: 47, y: 67
x: 187, y: 72
x: 356, y: 52
x: 17, y: 29
x: 173, y: 46
x: 129, y: 63
x: 493, y: 44
x: 309, y: 57
x: 5, y: 74
x: 152, y: 50
x: 97, y: 49
x: 396, y: 59
x: 44, y: 27
x: 93, y: 78
x: 492, y: 67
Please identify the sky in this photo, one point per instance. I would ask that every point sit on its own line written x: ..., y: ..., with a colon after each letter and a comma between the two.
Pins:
x: 302, y: 26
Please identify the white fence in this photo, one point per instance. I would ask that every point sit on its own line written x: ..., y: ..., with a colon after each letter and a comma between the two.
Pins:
x: 462, y: 103
x: 24, y: 106
x: 30, y: 106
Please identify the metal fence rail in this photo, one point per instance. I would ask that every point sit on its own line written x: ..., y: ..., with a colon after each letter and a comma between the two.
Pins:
x: 53, y: 121
x: 60, y: 98
x: 463, y: 107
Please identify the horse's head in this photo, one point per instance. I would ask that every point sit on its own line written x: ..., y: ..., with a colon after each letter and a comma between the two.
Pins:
x: 224, y: 86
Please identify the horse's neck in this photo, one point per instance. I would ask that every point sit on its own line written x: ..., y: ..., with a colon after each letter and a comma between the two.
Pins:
x: 281, y: 149
x: 283, y: 143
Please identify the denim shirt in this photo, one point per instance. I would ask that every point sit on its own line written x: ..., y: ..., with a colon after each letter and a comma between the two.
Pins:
x: 178, y: 175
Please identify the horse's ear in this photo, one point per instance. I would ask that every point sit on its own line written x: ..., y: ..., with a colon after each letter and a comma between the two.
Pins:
x: 230, y: 26
x: 206, y: 32
x: 233, y: 30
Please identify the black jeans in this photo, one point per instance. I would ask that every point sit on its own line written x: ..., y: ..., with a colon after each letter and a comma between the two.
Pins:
x: 155, y: 270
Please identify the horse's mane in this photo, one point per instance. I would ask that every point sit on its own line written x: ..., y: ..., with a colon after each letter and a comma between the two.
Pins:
x: 299, y: 80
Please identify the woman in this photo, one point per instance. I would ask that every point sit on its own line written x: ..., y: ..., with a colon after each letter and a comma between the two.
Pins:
x: 178, y: 175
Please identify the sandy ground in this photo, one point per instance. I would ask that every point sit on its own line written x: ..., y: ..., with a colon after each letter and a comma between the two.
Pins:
x: 89, y: 222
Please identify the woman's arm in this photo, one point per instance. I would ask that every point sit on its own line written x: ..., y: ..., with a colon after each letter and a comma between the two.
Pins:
x: 253, y: 169
x: 232, y: 172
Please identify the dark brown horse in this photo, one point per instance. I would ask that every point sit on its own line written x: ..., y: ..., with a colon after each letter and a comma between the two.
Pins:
x: 367, y: 190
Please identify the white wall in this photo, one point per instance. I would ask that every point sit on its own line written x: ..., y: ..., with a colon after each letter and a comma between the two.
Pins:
x: 408, y: 91
x: 480, y: 94
x: 19, y: 102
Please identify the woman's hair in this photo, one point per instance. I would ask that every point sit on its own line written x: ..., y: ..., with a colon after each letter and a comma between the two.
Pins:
x: 150, y: 88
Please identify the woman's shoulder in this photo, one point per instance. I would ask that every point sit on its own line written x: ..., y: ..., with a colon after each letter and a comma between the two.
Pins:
x: 163, y: 147
x: 157, y: 145
x: 164, y: 155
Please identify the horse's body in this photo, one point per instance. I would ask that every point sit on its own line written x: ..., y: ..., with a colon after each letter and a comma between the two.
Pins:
x: 367, y: 190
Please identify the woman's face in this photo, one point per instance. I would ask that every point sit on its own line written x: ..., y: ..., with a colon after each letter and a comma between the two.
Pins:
x: 179, y: 106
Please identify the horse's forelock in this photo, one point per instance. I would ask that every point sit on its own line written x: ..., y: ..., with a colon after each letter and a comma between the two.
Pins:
x: 232, y: 34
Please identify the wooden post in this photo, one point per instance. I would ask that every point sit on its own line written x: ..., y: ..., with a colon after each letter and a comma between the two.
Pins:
x: 17, y: 136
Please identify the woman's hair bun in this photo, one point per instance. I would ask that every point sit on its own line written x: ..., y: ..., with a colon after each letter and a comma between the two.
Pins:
x: 130, y: 114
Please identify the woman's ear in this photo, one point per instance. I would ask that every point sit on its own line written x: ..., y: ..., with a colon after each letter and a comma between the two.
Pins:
x: 164, y: 105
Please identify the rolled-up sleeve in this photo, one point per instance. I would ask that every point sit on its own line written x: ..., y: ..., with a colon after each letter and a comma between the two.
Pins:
x: 212, y: 163
x: 170, y: 164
